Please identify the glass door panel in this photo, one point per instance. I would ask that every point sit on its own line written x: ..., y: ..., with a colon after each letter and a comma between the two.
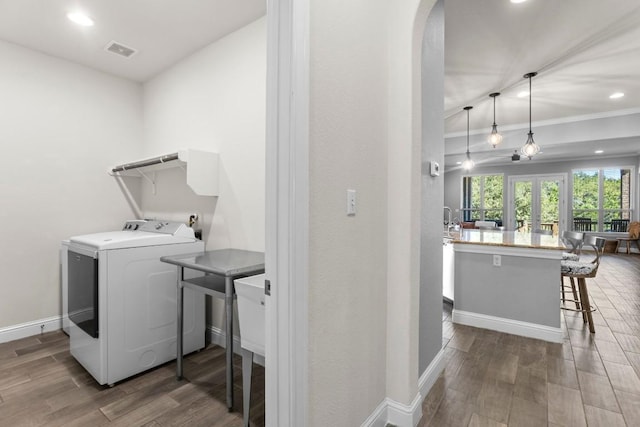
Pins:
x: 523, y: 205
x: 536, y: 203
x: 549, y: 206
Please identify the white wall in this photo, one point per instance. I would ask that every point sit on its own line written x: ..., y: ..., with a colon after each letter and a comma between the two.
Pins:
x: 363, y: 270
x: 347, y: 258
x: 61, y: 127
x: 430, y: 327
x: 213, y: 100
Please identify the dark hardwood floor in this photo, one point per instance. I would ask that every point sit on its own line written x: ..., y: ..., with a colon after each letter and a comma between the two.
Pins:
x: 495, y: 379
x: 41, y: 384
x: 490, y: 379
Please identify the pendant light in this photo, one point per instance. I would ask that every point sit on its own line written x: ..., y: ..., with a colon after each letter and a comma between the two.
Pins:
x: 530, y: 148
x: 468, y: 163
x: 494, y: 138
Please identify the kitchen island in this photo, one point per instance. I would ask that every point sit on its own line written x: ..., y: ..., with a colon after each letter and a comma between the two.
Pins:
x: 509, y: 282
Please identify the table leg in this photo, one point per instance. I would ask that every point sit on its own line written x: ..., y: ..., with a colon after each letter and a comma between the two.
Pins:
x: 228, y: 290
x: 247, y: 367
x: 180, y: 295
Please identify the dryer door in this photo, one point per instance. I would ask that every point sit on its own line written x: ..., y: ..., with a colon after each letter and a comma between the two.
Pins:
x: 83, y: 289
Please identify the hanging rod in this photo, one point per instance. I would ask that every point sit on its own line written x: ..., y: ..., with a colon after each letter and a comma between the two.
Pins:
x: 148, y: 162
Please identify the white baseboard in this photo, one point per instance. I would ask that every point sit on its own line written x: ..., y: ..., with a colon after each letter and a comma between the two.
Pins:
x: 396, y: 414
x: 28, y: 329
x: 515, y: 327
x: 378, y: 418
x: 401, y: 415
x: 431, y: 374
x: 218, y: 337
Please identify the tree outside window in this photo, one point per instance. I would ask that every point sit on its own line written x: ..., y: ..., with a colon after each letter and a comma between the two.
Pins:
x: 482, y: 198
x: 601, y: 199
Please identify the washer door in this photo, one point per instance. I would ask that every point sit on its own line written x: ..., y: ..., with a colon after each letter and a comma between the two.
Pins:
x: 83, y: 289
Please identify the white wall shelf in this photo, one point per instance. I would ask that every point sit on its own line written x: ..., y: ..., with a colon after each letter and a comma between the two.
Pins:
x: 201, y: 168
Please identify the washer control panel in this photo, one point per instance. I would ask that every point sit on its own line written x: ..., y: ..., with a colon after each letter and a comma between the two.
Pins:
x: 133, y: 224
x: 167, y: 227
x: 157, y: 226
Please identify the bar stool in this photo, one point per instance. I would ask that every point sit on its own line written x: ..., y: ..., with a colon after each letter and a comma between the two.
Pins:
x: 573, y: 240
x: 582, y: 270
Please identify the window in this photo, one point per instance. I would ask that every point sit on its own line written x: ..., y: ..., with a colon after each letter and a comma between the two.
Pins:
x: 601, y: 199
x: 482, y: 198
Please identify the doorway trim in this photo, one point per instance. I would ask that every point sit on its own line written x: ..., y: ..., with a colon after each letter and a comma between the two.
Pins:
x: 287, y: 215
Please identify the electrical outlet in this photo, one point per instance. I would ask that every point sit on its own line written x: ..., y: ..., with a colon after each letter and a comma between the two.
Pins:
x: 497, y: 260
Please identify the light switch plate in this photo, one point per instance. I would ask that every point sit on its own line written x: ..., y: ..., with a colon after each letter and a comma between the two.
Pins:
x: 351, y: 202
x: 434, y: 168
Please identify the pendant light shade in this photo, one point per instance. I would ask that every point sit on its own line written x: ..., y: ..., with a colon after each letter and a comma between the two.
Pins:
x: 494, y: 138
x: 468, y: 163
x: 530, y: 148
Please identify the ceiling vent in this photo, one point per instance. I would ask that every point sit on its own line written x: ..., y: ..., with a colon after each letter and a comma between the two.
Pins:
x: 120, y: 49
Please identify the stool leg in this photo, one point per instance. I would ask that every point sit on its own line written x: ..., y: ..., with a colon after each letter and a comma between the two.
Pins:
x: 628, y: 247
x: 575, y: 296
x: 247, y: 368
x: 584, y: 299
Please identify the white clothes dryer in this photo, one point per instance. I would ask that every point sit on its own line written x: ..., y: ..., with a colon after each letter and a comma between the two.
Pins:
x: 122, y: 299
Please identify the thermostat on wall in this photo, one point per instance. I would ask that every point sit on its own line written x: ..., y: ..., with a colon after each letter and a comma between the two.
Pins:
x: 434, y: 168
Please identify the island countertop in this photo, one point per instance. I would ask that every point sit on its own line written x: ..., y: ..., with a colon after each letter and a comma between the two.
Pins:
x: 507, y: 239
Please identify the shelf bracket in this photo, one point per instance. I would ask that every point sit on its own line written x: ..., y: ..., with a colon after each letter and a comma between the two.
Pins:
x: 151, y: 181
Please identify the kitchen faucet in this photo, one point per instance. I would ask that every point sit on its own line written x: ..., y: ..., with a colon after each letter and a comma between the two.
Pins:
x: 449, y: 223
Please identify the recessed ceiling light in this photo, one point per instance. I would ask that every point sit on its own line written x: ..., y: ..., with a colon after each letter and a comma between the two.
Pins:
x: 599, y: 151
x: 616, y: 95
x: 458, y: 163
x: 523, y: 94
x: 80, y: 19
x: 518, y: 1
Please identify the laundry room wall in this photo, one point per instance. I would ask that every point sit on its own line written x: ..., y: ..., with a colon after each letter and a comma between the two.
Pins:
x: 213, y: 100
x: 61, y: 127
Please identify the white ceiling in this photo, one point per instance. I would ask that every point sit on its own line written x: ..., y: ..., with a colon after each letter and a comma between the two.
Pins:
x: 162, y: 31
x: 583, y: 50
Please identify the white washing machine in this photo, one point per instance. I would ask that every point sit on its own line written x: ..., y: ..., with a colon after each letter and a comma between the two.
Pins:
x: 122, y: 300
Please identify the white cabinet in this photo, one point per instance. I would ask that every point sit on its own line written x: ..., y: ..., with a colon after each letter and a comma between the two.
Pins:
x: 448, y: 257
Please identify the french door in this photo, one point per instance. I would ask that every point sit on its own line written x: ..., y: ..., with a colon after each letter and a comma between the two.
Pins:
x: 537, y: 202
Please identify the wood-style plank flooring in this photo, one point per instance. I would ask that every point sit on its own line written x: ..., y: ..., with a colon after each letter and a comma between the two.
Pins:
x: 491, y: 379
x: 495, y: 379
x: 41, y: 384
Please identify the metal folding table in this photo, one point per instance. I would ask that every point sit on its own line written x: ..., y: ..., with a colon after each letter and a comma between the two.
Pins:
x: 221, y: 267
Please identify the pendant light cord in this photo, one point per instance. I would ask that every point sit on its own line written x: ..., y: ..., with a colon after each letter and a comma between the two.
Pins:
x: 530, y: 76
x: 494, y: 110
x: 467, y: 131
